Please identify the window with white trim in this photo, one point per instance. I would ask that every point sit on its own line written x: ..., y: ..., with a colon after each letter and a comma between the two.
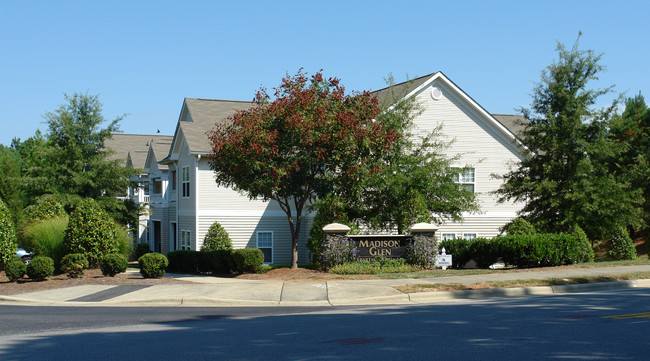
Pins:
x: 265, y: 244
x: 465, y: 177
x: 173, y: 179
x: 469, y: 235
x: 186, y: 239
x: 448, y: 236
x: 186, y: 182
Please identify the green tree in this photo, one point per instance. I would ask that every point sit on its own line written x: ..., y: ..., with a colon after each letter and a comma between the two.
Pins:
x: 297, y: 147
x: 564, y: 179
x: 10, y: 182
x: 72, y: 163
x: 416, y: 178
x: 631, y: 130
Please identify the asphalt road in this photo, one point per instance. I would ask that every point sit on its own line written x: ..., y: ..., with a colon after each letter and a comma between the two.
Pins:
x: 607, y: 325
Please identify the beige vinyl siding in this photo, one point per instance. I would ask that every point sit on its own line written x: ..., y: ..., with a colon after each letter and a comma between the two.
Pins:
x: 185, y: 159
x: 186, y: 222
x: 482, y: 146
x: 243, y: 218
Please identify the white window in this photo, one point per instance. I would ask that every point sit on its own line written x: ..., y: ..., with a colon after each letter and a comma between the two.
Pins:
x: 265, y: 244
x: 173, y: 179
x: 465, y: 177
x: 186, y: 239
x: 469, y: 235
x: 448, y: 236
x: 186, y: 182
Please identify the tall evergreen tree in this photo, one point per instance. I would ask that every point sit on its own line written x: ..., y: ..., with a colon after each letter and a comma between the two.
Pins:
x: 632, y: 131
x: 564, y: 179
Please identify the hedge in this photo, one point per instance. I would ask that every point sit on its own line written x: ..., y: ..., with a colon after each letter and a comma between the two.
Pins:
x: 213, y: 262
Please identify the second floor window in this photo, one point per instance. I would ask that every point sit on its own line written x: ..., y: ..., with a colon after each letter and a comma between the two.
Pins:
x: 465, y: 177
x: 186, y: 182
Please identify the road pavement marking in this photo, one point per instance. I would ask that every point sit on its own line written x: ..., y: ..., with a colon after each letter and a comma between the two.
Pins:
x: 631, y: 315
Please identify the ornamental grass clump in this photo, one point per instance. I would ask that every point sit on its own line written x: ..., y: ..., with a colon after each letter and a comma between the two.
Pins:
x: 338, y: 250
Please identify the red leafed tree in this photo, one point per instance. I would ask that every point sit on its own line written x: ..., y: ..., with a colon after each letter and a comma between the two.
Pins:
x: 307, y: 140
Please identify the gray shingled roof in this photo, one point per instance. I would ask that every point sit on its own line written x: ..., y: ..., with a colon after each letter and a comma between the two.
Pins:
x: 203, y: 115
x: 388, y: 96
x: 136, y: 146
x: 514, y: 123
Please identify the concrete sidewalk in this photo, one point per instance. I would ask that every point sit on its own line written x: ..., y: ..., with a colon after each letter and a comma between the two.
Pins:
x: 216, y: 291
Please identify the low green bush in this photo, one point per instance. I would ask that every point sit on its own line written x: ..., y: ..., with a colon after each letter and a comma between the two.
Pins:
x: 586, y: 251
x: 153, y: 265
x: 113, y: 264
x: 15, y: 269
x: 484, y: 251
x: 379, y: 265
x: 40, y: 268
x: 213, y: 262
x: 248, y: 260
x: 622, y: 247
x: 74, y: 264
x: 539, y: 250
x: 459, y: 249
x: 183, y: 261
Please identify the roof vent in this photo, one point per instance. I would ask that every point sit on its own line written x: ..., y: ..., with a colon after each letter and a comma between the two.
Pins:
x: 436, y: 93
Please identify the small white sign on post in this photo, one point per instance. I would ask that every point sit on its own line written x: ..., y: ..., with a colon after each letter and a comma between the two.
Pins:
x: 443, y: 260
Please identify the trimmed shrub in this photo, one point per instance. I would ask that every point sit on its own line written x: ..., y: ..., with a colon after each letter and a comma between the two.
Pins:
x: 215, y: 262
x: 337, y: 249
x: 459, y: 249
x: 539, y: 250
x: 46, y: 207
x: 91, y: 232
x: 74, y: 264
x: 40, y: 268
x: 141, y: 250
x: 46, y: 238
x: 8, y: 245
x: 484, y: 252
x: 248, y: 260
x: 217, y: 239
x: 585, y: 252
x: 622, y: 247
x: 518, y: 226
x: 422, y: 251
x: 153, y: 265
x: 112, y: 264
x: 15, y: 269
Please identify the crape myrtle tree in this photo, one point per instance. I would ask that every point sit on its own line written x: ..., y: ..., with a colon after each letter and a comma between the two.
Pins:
x: 306, y: 141
x: 564, y: 179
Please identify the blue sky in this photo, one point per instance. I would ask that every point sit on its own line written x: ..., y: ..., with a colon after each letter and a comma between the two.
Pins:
x: 143, y: 57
